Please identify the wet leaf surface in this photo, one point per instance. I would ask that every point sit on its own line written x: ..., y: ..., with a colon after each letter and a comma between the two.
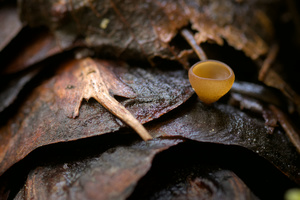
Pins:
x: 157, y: 92
x: 224, y: 124
x: 145, y: 30
x: 10, y: 24
x: 111, y: 174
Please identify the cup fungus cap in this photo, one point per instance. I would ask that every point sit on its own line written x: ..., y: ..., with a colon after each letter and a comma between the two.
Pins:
x: 211, y: 80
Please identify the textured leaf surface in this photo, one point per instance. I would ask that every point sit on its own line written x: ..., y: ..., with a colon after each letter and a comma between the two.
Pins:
x: 10, y: 24
x: 9, y: 93
x: 200, y: 183
x: 224, y: 124
x: 112, y: 174
x: 29, y: 48
x: 145, y: 29
x: 43, y: 117
x: 91, y: 80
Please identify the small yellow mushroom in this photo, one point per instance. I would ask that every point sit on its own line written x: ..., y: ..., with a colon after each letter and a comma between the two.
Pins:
x: 211, y: 80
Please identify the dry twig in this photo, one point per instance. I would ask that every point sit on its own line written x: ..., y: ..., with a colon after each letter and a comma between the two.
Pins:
x: 287, y: 126
x: 268, y: 61
x: 188, y: 36
x: 95, y: 87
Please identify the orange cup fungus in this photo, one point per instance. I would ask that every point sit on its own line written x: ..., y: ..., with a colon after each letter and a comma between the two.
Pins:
x: 211, y: 80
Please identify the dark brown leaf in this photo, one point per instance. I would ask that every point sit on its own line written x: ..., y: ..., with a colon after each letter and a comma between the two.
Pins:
x: 32, y: 47
x: 232, y: 187
x: 12, y: 88
x: 112, y: 174
x: 273, y: 79
x: 173, y: 171
x: 206, y: 183
x: 256, y: 91
x: 10, y: 24
x: 287, y: 126
x: 145, y: 29
x: 255, y: 106
x: 43, y: 117
x: 225, y: 125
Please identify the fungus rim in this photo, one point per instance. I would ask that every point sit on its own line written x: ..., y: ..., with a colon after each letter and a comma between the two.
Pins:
x: 231, y: 73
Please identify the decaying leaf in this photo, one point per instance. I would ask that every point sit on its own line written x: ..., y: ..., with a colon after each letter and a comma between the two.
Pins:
x: 175, y: 171
x: 273, y: 79
x: 145, y: 30
x: 205, y: 183
x: 287, y: 126
x: 112, y: 174
x: 86, y: 169
x: 255, y: 106
x: 225, y: 125
x: 51, y: 104
x: 91, y: 97
x: 12, y: 88
x: 232, y: 186
x: 10, y: 24
x: 33, y: 47
x: 256, y: 91
x: 91, y: 84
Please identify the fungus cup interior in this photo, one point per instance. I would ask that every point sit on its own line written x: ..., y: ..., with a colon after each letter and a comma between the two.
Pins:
x: 211, y: 80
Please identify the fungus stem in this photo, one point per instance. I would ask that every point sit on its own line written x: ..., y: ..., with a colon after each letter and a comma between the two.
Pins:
x: 268, y: 61
x: 188, y: 36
